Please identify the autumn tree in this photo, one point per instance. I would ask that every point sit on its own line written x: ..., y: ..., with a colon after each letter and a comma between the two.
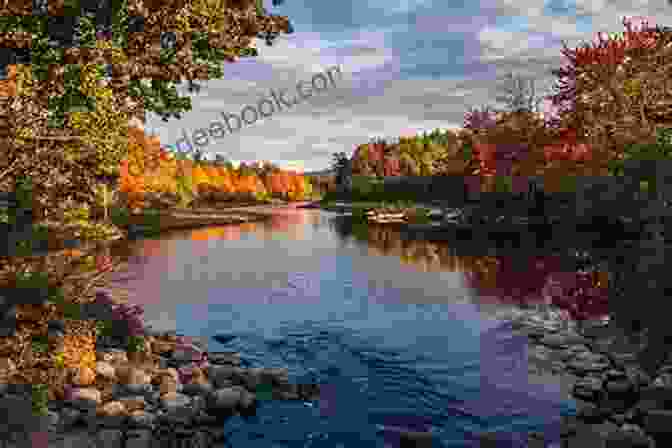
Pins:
x: 59, y: 139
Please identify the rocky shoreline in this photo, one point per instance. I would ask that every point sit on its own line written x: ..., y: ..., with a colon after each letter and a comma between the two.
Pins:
x: 618, y: 404
x: 172, y: 390
x: 178, y: 390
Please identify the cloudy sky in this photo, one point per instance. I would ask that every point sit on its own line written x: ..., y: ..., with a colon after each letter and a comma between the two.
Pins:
x: 407, y: 66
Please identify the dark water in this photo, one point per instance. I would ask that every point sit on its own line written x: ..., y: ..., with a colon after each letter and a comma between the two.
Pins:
x: 397, y: 333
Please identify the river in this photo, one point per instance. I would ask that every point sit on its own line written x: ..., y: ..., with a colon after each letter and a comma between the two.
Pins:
x: 396, y: 333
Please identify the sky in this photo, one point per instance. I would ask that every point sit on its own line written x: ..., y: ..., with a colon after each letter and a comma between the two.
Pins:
x: 406, y: 66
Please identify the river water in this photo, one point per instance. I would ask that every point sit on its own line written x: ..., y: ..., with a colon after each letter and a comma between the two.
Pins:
x: 396, y: 333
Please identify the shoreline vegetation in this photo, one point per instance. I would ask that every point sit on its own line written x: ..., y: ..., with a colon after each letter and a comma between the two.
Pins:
x: 79, y: 273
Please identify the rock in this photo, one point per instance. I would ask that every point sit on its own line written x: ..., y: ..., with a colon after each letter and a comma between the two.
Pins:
x: 141, y: 419
x: 561, y: 340
x: 106, y: 370
x: 665, y: 369
x: 108, y: 438
x: 83, y: 376
x: 536, y: 440
x: 69, y: 416
x: 174, y: 400
x: 658, y: 422
x: 614, y: 374
x: 223, y: 400
x: 140, y: 438
x: 54, y: 334
x: 111, y: 415
x: 198, y: 404
x: 589, y: 413
x: 609, y: 405
x: 252, y: 378
x: 661, y: 395
x: 275, y: 377
x: 224, y: 358
x: 168, y: 385
x: 629, y: 436
x: 53, y: 420
x: 197, y: 376
x: 113, y: 356
x: 664, y: 381
x: 489, y: 439
x: 135, y: 389
x: 112, y: 408
x: 170, y: 336
x: 589, y: 363
x: 7, y: 366
x: 133, y: 403
x: 589, y: 435
x: 248, y: 402
x: 194, y: 389
x: 619, y: 387
x: 309, y: 392
x: 219, y: 374
x: 175, y: 418
x: 162, y: 362
x: 588, y: 388
x: 638, y: 377
x: 631, y: 416
x: 84, y: 398
x: 573, y: 352
x: 641, y: 408
x: 568, y: 425
x: 623, y: 359
x: 158, y: 373
x: 159, y: 346
x: 140, y: 359
x: 187, y: 353
x: 617, y: 419
x: 131, y: 375
x: 594, y: 328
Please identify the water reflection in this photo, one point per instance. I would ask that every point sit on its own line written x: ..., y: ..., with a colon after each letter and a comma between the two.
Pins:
x: 516, y: 278
x: 511, y: 278
x: 393, y: 347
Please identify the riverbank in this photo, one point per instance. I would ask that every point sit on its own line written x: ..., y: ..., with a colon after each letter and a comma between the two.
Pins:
x: 187, y: 218
x: 103, y: 391
x: 542, y: 354
x: 172, y: 390
x: 595, y: 362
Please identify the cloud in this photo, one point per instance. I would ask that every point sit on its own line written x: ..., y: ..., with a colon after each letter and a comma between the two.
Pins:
x: 407, y: 66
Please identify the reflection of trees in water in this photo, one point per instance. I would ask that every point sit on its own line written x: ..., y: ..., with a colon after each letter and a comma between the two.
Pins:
x: 513, y: 278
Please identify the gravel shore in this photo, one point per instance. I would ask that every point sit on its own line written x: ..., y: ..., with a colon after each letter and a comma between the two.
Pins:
x: 175, y: 390
x: 619, y: 405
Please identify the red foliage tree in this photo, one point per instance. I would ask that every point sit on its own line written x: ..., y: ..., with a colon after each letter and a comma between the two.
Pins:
x: 392, y: 167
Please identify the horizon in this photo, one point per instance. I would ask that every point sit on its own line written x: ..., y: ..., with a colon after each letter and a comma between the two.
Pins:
x: 393, y: 82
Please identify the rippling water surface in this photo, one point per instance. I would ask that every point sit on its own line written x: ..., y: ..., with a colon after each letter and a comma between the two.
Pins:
x: 397, y: 340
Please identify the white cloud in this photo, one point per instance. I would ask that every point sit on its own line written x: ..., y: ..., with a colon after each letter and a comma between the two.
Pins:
x: 381, y: 92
